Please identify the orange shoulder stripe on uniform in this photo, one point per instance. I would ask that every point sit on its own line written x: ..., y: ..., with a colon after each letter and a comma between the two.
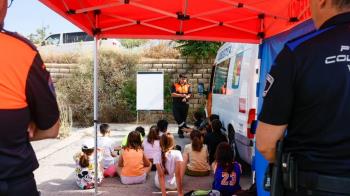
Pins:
x: 16, y: 59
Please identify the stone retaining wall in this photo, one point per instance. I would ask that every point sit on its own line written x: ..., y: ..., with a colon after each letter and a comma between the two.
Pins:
x: 196, y: 71
x: 58, y: 71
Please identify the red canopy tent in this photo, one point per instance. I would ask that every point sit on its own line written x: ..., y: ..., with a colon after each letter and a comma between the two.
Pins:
x: 215, y: 20
x: 247, y: 21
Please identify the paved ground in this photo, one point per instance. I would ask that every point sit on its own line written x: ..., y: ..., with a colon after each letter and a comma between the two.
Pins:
x: 55, y: 175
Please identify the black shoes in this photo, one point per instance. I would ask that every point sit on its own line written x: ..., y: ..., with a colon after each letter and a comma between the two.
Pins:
x: 180, y: 132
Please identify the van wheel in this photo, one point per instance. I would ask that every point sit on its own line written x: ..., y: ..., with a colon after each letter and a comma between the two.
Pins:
x: 232, y: 142
x: 246, y: 168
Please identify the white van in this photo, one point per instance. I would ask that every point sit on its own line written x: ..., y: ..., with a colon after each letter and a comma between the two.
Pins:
x: 75, y: 42
x: 233, y: 94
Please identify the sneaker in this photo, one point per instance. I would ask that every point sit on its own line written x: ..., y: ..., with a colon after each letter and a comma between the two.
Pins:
x: 180, y: 131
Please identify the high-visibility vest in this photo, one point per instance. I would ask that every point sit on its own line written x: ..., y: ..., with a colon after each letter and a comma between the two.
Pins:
x: 182, y: 89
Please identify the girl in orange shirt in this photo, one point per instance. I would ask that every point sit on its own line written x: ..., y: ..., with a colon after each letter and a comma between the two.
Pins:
x: 133, y: 166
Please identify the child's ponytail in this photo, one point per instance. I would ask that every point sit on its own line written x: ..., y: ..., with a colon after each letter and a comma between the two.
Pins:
x: 163, y: 163
x: 197, y: 140
x: 167, y: 143
x: 84, y: 160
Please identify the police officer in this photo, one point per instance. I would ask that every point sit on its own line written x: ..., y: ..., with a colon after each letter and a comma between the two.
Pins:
x: 181, y: 92
x: 308, y: 94
x: 28, y: 111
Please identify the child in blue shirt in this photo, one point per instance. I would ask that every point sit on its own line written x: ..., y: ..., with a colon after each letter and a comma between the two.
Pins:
x: 227, y: 172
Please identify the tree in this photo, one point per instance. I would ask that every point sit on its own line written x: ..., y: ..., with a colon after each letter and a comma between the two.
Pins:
x: 39, y: 35
x: 198, y: 49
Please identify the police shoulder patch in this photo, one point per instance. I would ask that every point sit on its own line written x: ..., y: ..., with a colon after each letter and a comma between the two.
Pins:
x: 269, y: 82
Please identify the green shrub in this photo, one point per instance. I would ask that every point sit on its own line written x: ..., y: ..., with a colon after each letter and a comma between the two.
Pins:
x: 168, y: 100
x: 114, y: 71
x: 198, y: 49
x: 128, y: 93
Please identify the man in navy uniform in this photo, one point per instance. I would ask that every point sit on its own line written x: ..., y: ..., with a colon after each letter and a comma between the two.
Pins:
x: 308, y: 94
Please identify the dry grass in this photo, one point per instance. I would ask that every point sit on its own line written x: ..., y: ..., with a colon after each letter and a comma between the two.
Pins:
x: 66, y: 117
x: 132, y: 43
x: 77, y: 91
x: 116, y: 98
x: 67, y: 58
x: 161, y: 51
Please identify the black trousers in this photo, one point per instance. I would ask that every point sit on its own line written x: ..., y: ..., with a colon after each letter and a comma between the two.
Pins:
x: 24, y: 185
x: 180, y: 112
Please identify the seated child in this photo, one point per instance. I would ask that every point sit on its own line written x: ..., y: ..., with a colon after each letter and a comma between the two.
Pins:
x: 196, y: 156
x: 169, y: 166
x: 151, y: 145
x: 106, y: 145
x: 85, y: 166
x: 227, y: 172
x: 162, y: 127
x: 133, y: 165
x: 214, y: 138
x: 199, y: 118
x: 139, y: 129
x: 205, y: 125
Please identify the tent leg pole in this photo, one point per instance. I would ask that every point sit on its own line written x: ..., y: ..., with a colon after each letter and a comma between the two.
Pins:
x: 96, y: 110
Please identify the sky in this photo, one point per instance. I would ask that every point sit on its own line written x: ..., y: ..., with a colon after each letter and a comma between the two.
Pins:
x: 25, y: 16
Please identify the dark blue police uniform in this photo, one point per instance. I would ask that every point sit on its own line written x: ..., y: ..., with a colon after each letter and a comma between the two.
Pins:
x: 308, y: 88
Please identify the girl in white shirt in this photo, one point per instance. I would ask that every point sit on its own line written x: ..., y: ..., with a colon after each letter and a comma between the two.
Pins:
x: 151, y: 145
x: 85, y: 166
x: 169, y: 166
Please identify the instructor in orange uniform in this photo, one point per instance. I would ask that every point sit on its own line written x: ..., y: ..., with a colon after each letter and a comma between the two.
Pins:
x: 181, y: 92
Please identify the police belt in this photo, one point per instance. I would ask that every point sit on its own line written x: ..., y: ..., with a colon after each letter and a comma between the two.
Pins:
x: 333, y: 184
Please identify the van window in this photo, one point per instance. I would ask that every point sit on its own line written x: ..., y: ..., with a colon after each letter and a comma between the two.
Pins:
x: 53, y: 39
x: 76, y: 37
x: 237, y: 70
x: 220, y: 77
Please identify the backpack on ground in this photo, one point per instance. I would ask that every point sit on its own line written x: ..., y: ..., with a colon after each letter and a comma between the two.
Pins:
x: 203, y: 193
